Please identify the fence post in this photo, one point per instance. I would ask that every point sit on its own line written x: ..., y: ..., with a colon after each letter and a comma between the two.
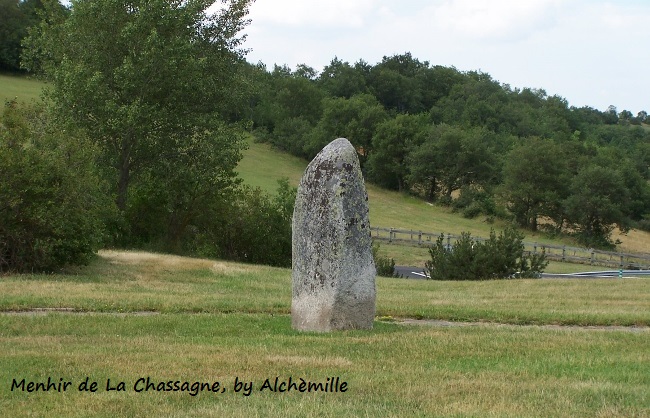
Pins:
x: 420, y: 238
x: 448, y: 242
x: 621, y: 262
x: 535, y: 248
x: 591, y: 262
x: 564, y: 253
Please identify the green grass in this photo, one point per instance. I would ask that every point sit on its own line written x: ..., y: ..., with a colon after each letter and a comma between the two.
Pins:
x: 172, y: 318
x: 21, y: 88
x: 391, y: 371
x: 263, y: 166
x: 137, y: 281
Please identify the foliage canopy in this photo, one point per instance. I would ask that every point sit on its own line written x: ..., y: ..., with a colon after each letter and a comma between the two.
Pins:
x: 54, y: 203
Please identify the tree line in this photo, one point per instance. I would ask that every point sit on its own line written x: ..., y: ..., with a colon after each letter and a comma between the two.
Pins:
x: 17, y: 17
x: 466, y: 140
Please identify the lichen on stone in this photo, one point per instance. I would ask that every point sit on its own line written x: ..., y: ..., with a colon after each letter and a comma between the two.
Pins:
x: 333, y: 269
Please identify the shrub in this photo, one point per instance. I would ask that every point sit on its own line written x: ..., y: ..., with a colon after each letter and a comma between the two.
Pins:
x: 473, y: 202
x: 644, y: 224
x: 252, y: 227
x: 53, y: 206
x: 385, y: 266
x: 501, y: 257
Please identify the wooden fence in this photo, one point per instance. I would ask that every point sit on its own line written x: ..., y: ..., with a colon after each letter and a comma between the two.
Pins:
x: 553, y: 252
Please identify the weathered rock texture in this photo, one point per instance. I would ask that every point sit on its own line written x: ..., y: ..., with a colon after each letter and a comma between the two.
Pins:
x: 333, y: 269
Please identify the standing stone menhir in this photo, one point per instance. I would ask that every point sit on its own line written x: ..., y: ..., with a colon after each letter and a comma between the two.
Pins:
x: 333, y: 268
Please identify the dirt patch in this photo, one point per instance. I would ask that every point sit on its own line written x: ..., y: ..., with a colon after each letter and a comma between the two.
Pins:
x: 440, y: 323
x: 45, y: 311
x: 310, y: 361
x: 400, y: 321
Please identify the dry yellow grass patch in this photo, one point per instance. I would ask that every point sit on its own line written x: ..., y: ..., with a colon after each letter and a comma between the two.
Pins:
x: 634, y: 241
x: 154, y: 263
x: 153, y: 260
x: 232, y: 269
x: 309, y: 361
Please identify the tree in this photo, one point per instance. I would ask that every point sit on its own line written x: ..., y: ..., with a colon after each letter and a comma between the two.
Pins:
x: 141, y: 77
x: 461, y: 157
x: 395, y: 83
x: 305, y: 71
x: 598, y: 201
x: 479, y: 101
x: 288, y: 105
x: 11, y: 32
x: 340, y: 79
x: 17, y: 17
x: 424, y: 170
x: 625, y: 115
x: 355, y: 119
x: 53, y: 204
x: 436, y: 82
x: 256, y: 228
x: 535, y: 182
x: 393, y: 140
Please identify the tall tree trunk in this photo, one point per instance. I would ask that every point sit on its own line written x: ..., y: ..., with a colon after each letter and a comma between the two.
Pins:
x: 432, y: 190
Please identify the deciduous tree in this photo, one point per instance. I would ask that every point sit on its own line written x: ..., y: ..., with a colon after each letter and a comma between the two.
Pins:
x: 142, y: 77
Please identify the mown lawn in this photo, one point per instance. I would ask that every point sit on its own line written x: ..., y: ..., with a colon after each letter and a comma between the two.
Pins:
x: 131, y: 315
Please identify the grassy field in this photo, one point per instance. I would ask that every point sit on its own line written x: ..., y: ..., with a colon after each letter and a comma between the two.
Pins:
x: 21, y: 88
x: 131, y: 316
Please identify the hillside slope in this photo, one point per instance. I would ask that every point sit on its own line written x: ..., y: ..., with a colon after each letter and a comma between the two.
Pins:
x: 262, y: 166
x: 22, y: 89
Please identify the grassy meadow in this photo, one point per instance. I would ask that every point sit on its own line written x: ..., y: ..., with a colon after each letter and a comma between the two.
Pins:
x: 129, y: 316
x: 20, y: 88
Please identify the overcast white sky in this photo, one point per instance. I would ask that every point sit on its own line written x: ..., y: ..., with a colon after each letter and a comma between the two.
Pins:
x: 591, y: 52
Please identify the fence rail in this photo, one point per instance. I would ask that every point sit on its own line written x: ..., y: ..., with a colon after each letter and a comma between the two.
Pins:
x: 563, y: 253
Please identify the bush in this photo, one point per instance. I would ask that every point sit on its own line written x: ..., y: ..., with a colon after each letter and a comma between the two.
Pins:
x: 501, y: 257
x: 644, y: 224
x: 252, y: 227
x: 53, y: 206
x: 385, y: 266
x: 473, y: 202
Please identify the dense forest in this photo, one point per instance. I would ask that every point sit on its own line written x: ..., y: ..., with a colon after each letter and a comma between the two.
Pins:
x: 137, y: 139
x: 466, y: 140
